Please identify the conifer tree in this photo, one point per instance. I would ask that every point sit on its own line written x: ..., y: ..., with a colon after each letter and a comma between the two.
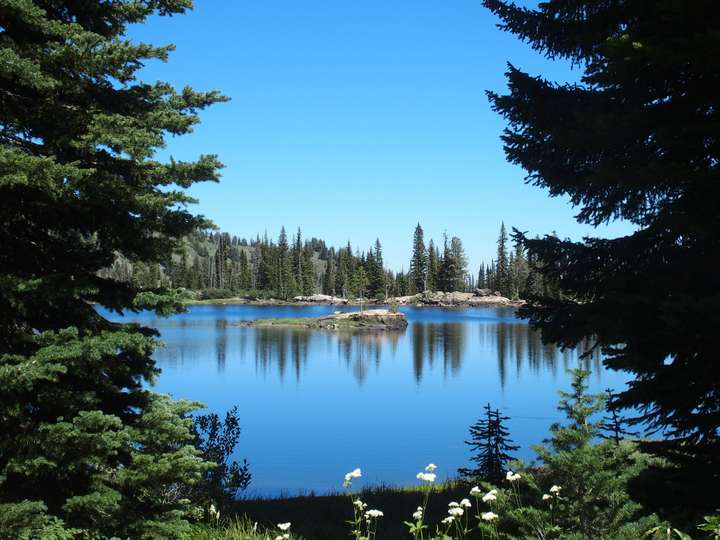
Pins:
x: 490, y: 444
x: 502, y: 264
x: 418, y: 262
x: 329, y: 278
x: 635, y: 138
x: 308, y: 268
x: 433, y: 267
x: 459, y: 264
x: 85, y: 444
x: 286, y: 279
x: 377, y: 272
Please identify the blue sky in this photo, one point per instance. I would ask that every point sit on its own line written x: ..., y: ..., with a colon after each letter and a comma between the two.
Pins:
x: 356, y: 120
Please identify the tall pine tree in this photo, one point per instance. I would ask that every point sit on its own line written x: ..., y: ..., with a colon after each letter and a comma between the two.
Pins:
x: 418, y: 262
x: 635, y: 138
x: 84, y: 442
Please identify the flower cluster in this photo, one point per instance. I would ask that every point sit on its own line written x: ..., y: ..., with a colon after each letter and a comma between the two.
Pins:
x: 428, y: 475
x: 512, y: 477
x: 490, y: 496
x: 284, y: 527
x: 349, y: 477
x: 554, y: 493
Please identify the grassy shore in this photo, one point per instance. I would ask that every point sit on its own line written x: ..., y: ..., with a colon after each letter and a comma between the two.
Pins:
x: 324, y: 517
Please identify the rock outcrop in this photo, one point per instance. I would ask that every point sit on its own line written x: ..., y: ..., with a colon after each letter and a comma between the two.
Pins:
x: 371, y: 319
x: 379, y: 319
x: 321, y: 299
x: 481, y: 297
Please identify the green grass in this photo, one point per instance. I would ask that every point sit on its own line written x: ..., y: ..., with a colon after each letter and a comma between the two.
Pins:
x: 324, y: 517
x: 234, y: 529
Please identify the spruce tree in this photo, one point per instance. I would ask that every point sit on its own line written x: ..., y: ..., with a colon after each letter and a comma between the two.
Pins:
x: 329, y: 278
x: 377, y: 272
x: 459, y: 272
x: 490, y: 444
x: 502, y: 264
x: 433, y: 267
x: 635, y: 138
x: 85, y: 444
x: 418, y: 262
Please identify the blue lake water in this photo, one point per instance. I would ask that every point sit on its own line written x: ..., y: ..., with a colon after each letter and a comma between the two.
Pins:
x: 315, y: 404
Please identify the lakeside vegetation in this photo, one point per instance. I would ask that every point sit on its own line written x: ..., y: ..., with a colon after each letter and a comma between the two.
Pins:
x: 89, y: 452
x: 218, y: 266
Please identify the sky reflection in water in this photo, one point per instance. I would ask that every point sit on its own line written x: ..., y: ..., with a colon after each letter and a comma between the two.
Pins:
x: 316, y: 403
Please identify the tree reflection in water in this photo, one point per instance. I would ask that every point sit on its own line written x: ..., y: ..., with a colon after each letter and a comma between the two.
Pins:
x: 514, y: 345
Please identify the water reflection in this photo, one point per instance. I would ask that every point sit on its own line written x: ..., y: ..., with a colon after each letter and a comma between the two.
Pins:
x: 361, y: 350
x: 317, y: 388
x: 281, y: 347
x: 515, y: 346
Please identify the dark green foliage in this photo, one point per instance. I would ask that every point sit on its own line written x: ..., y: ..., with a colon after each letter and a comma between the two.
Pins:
x: 85, y: 445
x: 433, y: 271
x: 490, y: 444
x: 636, y: 138
x: 217, y: 439
x: 593, y: 476
x: 453, y: 267
x: 614, y: 426
x: 502, y: 276
x: 419, y: 260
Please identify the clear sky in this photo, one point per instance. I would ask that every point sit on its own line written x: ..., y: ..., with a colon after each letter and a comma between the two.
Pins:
x: 356, y: 120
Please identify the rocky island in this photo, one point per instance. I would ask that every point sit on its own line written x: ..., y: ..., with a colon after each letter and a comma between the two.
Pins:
x: 371, y: 319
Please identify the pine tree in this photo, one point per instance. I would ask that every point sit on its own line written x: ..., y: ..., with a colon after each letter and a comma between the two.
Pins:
x: 502, y: 264
x: 418, y: 263
x: 459, y: 265
x: 481, y: 282
x: 309, y: 281
x: 593, y: 476
x: 613, y: 426
x: 329, y: 278
x: 287, y: 283
x: 433, y: 267
x: 490, y: 444
x: 377, y: 272
x: 635, y: 138
x: 245, y: 277
x: 84, y: 442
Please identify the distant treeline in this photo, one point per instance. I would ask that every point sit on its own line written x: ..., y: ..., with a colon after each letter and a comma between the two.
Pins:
x: 222, y: 265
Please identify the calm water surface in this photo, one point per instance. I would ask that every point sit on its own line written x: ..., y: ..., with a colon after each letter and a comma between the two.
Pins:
x: 315, y: 404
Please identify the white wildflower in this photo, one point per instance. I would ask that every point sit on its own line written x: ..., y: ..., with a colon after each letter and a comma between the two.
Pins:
x: 431, y: 467
x: 284, y: 526
x: 555, y: 489
x: 448, y: 520
x: 373, y: 514
x: 490, y: 496
x: 358, y: 503
x: 453, y: 504
x: 466, y: 503
x: 356, y: 473
x: 456, y: 511
x: 476, y: 491
x: 418, y: 514
x: 512, y: 477
x: 489, y: 516
x: 426, y: 477
x: 545, y: 497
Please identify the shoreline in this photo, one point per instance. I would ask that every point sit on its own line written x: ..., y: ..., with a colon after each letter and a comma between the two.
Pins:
x: 448, y: 300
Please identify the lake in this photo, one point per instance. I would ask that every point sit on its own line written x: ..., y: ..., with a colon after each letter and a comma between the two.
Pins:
x: 315, y: 404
